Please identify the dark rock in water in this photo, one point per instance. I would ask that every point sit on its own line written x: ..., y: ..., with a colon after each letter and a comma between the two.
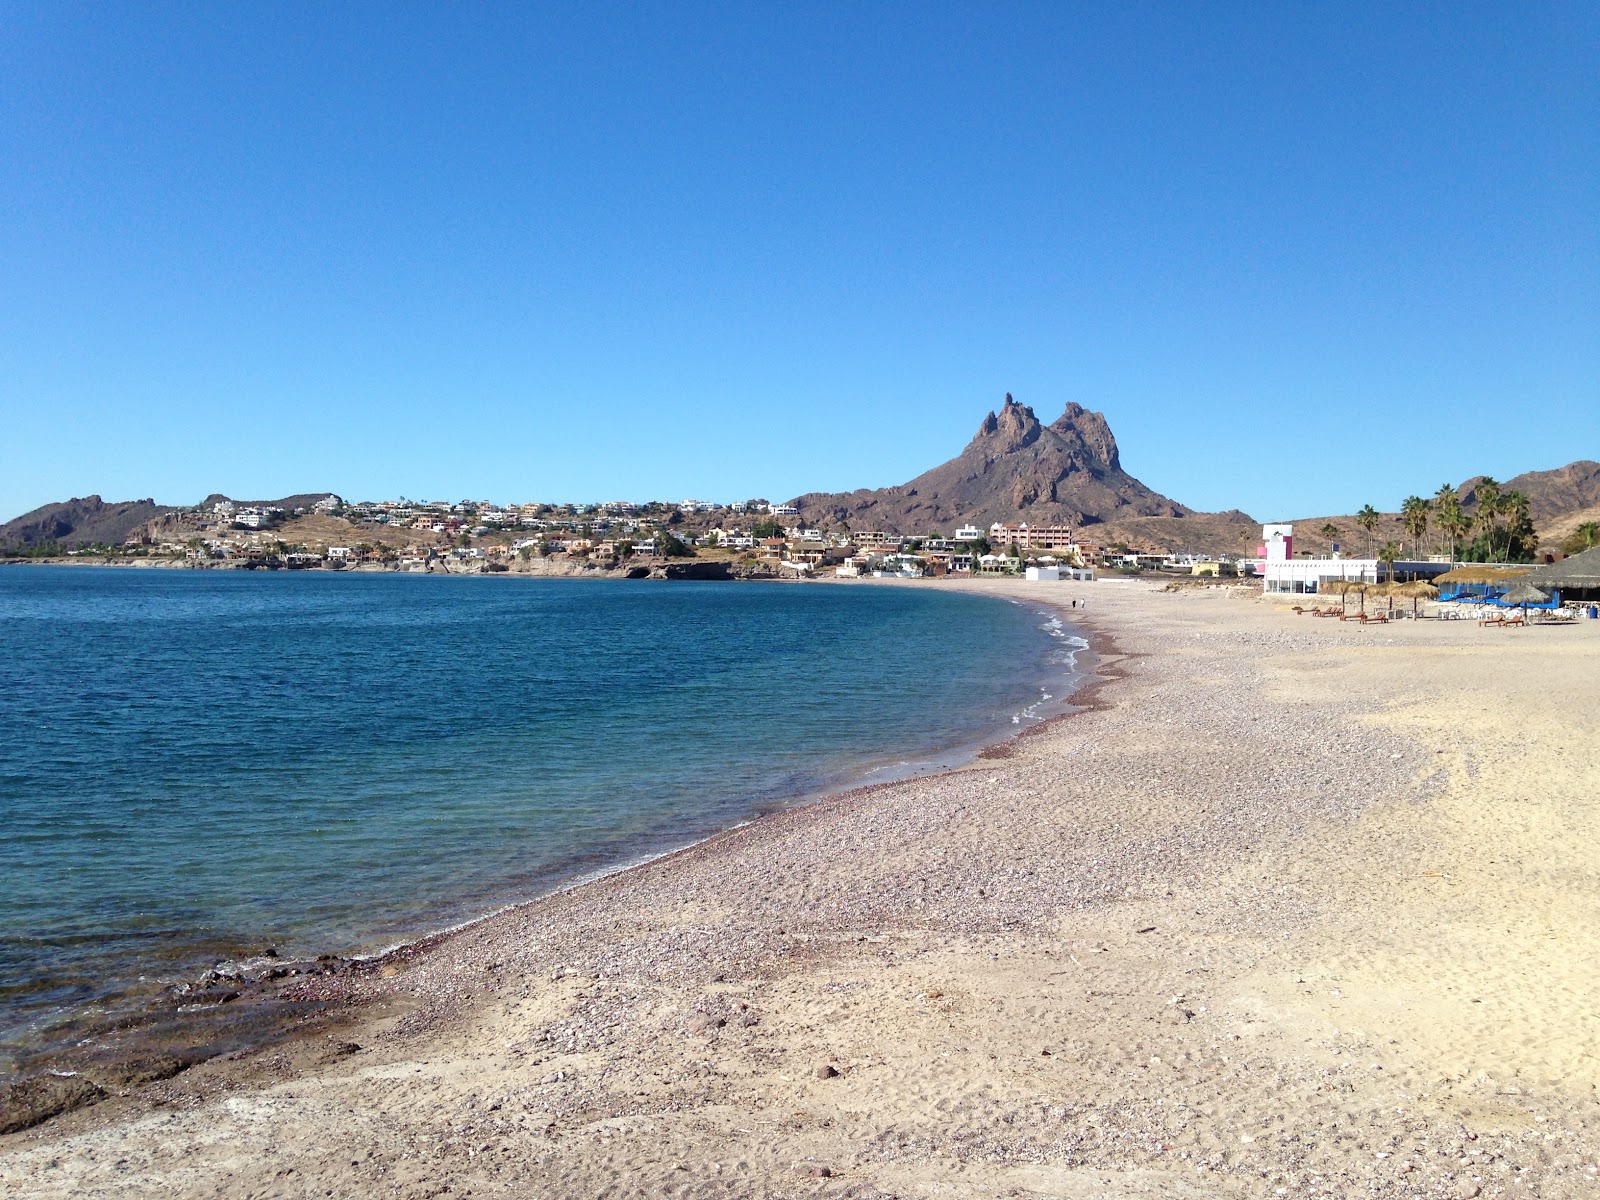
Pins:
x: 695, y: 570
x: 26, y: 1104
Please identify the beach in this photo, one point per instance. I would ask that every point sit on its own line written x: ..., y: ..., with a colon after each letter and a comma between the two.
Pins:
x: 1292, y: 907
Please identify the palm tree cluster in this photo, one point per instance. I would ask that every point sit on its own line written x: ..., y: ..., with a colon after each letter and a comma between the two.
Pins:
x: 1497, y: 541
x: 1503, y: 521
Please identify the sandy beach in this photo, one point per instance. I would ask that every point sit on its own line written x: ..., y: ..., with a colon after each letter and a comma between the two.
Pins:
x: 1294, y: 907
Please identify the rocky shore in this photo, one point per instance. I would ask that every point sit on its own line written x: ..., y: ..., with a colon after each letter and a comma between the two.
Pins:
x: 1288, y: 910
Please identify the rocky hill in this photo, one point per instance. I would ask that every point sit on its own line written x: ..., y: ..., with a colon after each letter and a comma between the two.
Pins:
x: 90, y: 520
x: 1552, y: 495
x: 1015, y: 469
x: 81, y: 521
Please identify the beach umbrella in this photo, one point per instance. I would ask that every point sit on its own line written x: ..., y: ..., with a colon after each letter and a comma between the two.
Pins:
x: 1524, y: 594
x: 1417, y: 591
x: 1337, y: 587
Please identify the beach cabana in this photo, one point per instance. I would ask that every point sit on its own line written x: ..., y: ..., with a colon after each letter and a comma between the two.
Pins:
x: 1577, y: 577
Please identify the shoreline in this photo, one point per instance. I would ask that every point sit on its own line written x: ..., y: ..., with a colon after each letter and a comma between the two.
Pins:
x: 1285, y: 907
x: 163, y: 1034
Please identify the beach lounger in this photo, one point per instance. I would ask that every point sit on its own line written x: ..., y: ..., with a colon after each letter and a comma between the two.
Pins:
x: 1497, y: 620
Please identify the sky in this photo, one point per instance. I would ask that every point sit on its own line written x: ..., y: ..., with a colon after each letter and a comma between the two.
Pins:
x: 1304, y: 257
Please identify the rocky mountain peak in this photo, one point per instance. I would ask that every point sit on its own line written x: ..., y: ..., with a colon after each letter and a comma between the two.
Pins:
x: 1014, y: 468
x: 1090, y: 430
x: 1012, y: 428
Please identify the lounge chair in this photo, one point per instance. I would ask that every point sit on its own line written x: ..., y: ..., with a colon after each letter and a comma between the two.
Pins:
x: 1494, y: 620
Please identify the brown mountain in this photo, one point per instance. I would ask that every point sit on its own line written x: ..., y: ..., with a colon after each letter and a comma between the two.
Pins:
x: 79, y: 522
x: 92, y: 521
x: 1014, y: 469
x: 1552, y: 495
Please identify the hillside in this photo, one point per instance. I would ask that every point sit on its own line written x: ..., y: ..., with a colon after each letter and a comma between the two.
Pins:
x: 1014, y: 469
x: 81, y: 521
x: 317, y: 532
x: 1553, y: 495
x: 89, y: 520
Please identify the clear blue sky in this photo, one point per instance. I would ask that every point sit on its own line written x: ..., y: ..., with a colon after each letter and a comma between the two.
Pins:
x: 1303, y: 257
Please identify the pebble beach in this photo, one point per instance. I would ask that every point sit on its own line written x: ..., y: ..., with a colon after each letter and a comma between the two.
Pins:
x: 1291, y: 907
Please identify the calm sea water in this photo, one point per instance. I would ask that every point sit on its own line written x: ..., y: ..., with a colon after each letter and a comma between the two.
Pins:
x: 198, y: 764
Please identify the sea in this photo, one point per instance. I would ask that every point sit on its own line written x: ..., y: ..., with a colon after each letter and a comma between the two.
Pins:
x: 196, y: 766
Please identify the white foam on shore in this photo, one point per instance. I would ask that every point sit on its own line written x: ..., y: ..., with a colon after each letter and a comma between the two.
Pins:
x: 1071, y: 645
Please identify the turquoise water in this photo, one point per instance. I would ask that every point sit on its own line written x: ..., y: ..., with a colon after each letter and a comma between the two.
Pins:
x: 200, y: 764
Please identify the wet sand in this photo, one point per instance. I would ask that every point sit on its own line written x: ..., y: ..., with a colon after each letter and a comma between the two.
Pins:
x: 1293, y: 905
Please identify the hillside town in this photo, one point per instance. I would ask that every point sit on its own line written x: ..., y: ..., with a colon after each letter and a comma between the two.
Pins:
x: 761, y: 537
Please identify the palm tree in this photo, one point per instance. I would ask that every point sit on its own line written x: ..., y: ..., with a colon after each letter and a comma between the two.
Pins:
x: 1442, y: 500
x: 1488, y: 494
x: 1368, y: 519
x: 1414, y: 512
x: 1453, y: 519
x: 1519, y: 517
x: 1585, y: 537
x: 1387, y: 553
x: 1330, y: 531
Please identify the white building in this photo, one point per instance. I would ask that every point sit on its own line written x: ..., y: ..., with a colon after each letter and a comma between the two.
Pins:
x: 1043, y: 574
x: 1281, y: 571
x: 968, y: 533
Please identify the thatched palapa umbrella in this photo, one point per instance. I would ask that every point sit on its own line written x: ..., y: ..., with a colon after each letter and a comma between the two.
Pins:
x: 1338, y: 587
x: 1418, y: 590
x: 1524, y: 594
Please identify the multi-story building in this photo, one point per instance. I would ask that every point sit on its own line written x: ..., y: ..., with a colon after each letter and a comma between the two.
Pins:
x: 1041, y: 537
